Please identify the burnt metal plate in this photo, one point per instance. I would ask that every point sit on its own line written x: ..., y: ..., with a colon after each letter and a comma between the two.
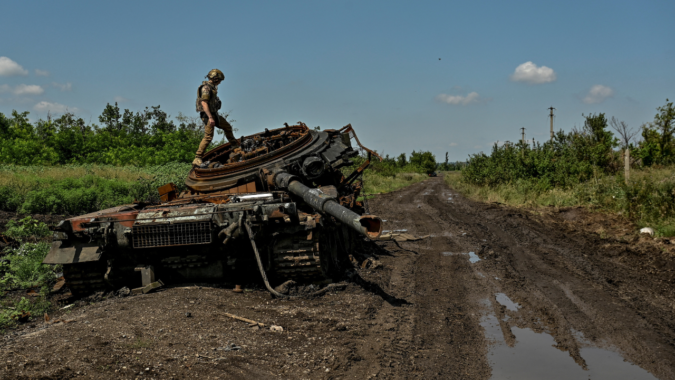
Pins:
x: 63, y: 252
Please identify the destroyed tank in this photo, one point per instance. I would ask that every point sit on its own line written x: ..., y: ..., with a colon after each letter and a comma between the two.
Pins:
x: 277, y: 205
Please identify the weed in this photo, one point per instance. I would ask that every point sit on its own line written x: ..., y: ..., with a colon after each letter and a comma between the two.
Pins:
x: 27, y: 228
x: 10, y: 312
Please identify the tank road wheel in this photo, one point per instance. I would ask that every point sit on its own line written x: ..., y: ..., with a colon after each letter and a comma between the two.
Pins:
x: 296, y: 257
x: 336, y: 246
x: 85, y: 278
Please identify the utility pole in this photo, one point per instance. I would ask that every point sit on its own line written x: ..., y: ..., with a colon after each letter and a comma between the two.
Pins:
x: 551, y: 116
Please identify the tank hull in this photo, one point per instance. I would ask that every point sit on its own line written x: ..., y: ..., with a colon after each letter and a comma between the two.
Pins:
x: 205, y: 233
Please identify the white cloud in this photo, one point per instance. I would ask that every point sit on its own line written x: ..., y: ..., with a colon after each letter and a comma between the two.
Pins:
x: 598, y: 94
x: 23, y: 89
x: 41, y: 73
x: 528, y: 72
x: 28, y: 89
x: 473, y: 97
x: 64, y: 87
x: 121, y: 99
x: 11, y: 68
x: 453, y: 144
x: 53, y: 107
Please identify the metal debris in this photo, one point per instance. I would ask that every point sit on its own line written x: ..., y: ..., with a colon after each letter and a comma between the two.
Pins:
x: 59, y: 284
x: 229, y: 347
x: 285, y: 287
x: 124, y: 292
x: 399, y: 237
x: 148, y: 288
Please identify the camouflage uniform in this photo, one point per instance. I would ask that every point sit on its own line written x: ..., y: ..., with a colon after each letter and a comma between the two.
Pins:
x: 209, y: 93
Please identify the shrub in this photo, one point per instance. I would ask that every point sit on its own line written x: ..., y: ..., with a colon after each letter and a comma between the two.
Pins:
x: 27, y: 228
x: 22, y: 267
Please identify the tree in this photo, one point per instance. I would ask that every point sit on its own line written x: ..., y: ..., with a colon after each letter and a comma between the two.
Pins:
x: 625, y: 134
x: 111, y: 117
x: 424, y: 160
x: 401, y: 161
x: 657, y: 146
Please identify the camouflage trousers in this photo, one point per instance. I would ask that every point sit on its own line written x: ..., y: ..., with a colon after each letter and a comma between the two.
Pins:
x: 208, y: 132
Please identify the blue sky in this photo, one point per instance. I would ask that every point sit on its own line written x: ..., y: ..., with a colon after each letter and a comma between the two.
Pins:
x: 374, y: 64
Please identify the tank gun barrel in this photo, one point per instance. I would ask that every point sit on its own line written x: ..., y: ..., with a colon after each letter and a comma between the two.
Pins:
x: 367, y: 225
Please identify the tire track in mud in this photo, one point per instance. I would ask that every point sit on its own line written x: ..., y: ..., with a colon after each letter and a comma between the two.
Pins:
x: 428, y: 312
x: 437, y: 335
x: 561, y: 284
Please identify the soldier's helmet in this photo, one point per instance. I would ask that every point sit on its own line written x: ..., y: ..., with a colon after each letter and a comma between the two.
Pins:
x: 216, y: 74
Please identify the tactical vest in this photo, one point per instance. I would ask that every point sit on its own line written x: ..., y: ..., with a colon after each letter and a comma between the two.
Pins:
x: 213, y: 101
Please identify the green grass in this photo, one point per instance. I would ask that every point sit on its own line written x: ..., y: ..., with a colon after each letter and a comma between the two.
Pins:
x: 76, y: 189
x: 378, y: 184
x: 648, y: 199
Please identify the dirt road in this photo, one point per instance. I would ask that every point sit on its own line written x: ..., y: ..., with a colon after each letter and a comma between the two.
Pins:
x: 492, y: 293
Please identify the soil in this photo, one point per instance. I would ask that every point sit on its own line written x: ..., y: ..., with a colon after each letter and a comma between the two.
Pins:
x: 417, y: 311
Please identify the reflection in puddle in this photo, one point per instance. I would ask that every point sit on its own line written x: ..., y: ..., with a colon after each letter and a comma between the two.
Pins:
x: 386, y: 231
x: 534, y: 356
x: 503, y: 299
x: 472, y: 256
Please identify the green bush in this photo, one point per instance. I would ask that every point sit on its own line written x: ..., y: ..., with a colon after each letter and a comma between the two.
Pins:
x: 9, y: 312
x: 568, y: 159
x: 22, y: 267
x: 27, y: 228
x: 143, y: 138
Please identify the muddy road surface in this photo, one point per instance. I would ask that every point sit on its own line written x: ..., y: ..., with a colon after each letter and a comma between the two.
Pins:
x: 492, y: 293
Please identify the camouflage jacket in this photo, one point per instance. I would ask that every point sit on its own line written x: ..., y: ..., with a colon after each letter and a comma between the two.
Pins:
x: 208, y: 93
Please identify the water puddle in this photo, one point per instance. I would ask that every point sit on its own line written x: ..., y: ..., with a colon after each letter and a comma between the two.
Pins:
x: 534, y: 356
x: 472, y: 256
x: 387, y: 231
x: 504, y: 300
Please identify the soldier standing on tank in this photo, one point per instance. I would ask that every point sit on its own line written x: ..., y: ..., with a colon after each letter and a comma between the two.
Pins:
x: 208, y: 105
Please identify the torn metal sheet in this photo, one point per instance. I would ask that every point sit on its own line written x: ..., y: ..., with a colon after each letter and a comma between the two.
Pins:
x: 64, y: 252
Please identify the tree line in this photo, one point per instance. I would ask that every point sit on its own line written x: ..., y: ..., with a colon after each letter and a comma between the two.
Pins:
x: 142, y: 138
x: 577, y: 156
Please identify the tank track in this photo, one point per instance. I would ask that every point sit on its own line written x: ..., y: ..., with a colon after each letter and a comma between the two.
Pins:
x: 85, y: 278
x: 297, y: 257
